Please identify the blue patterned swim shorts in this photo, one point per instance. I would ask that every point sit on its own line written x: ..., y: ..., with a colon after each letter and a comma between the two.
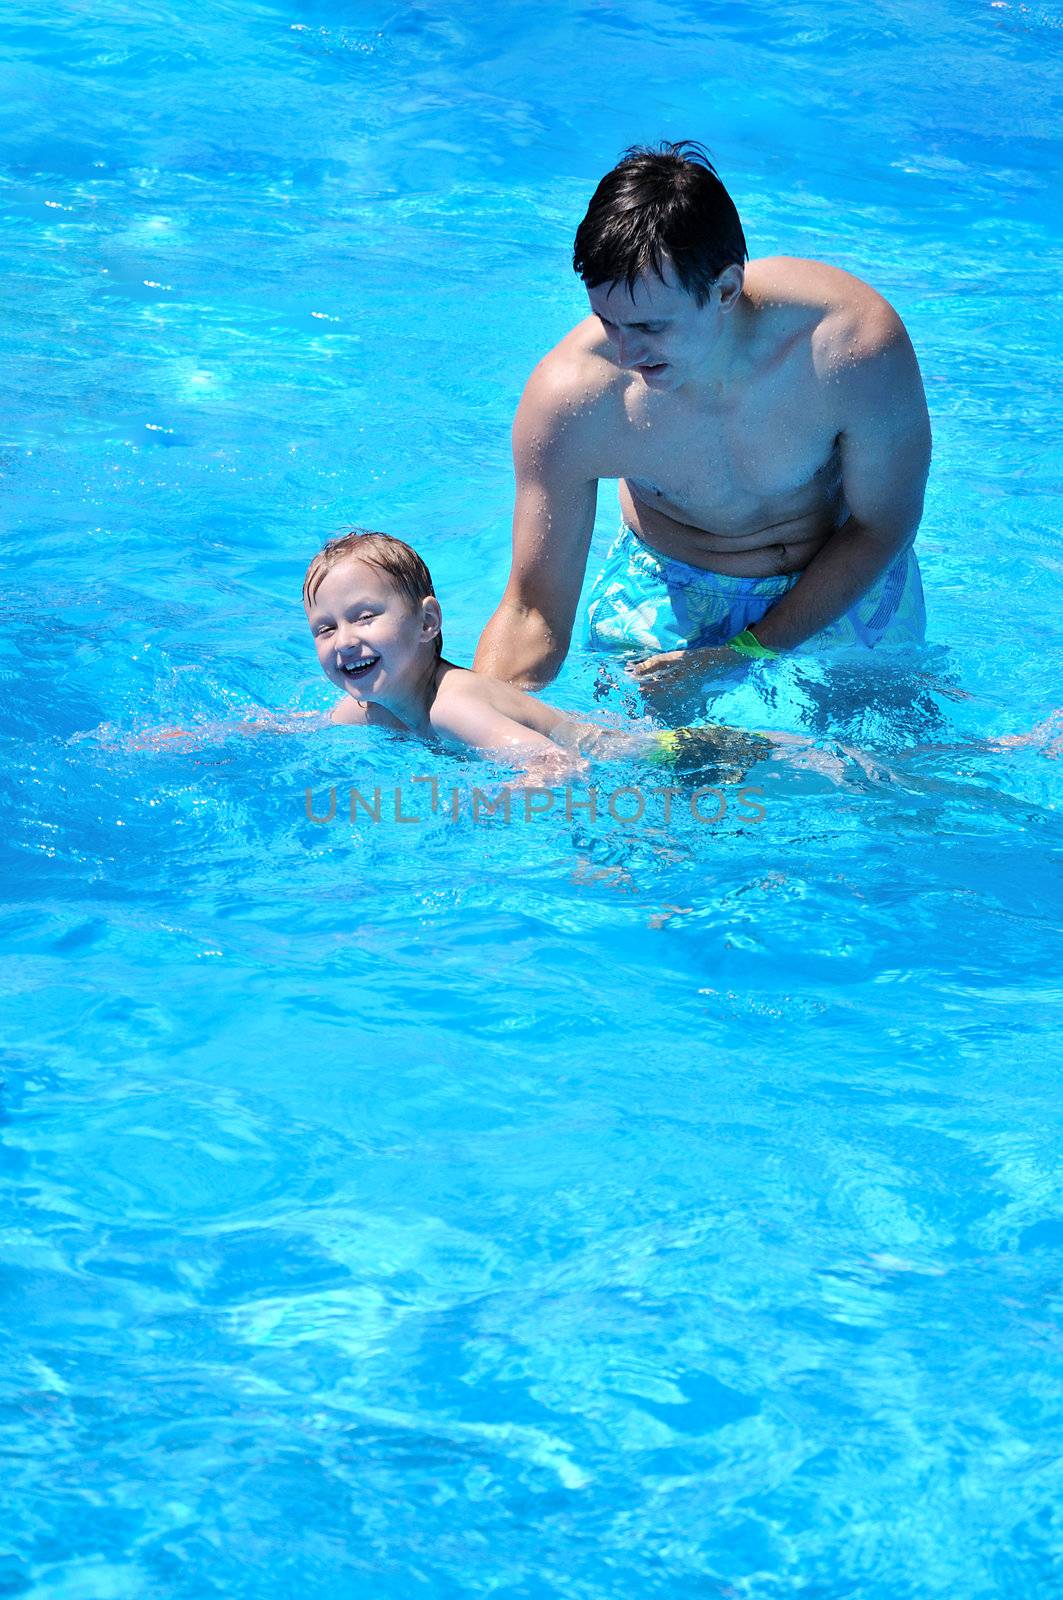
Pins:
x: 642, y: 602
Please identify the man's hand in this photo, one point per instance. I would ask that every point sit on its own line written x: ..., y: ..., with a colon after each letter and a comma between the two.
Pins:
x: 680, y: 666
x: 675, y: 682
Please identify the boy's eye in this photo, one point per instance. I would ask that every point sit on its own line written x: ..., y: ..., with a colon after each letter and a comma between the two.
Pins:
x: 367, y: 616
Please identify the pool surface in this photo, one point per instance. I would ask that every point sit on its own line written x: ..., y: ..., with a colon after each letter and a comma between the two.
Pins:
x: 569, y: 1207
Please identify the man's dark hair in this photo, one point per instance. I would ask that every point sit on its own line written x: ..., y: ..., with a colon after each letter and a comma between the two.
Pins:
x: 658, y: 201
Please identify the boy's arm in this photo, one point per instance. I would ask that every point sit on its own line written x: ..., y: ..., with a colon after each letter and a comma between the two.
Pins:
x: 481, y: 726
x: 266, y: 722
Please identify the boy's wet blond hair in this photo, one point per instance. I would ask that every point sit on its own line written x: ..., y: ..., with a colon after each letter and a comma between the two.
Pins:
x: 400, y: 561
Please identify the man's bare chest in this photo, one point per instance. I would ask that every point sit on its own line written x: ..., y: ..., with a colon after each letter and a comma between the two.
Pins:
x: 774, y: 450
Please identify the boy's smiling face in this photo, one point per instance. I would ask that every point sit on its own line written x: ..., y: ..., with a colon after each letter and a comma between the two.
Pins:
x: 370, y: 642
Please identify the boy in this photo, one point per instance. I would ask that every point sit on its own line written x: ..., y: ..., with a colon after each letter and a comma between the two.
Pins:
x: 377, y: 628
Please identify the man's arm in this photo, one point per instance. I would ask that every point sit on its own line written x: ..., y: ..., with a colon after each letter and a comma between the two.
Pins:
x: 528, y: 637
x: 884, y: 439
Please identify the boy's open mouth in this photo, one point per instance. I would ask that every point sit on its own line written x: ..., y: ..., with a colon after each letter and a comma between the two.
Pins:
x: 355, y: 669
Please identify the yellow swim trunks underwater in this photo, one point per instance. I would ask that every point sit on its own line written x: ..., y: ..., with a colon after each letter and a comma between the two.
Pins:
x: 726, y: 754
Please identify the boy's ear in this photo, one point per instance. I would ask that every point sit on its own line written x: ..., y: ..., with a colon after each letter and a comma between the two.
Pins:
x: 431, y: 616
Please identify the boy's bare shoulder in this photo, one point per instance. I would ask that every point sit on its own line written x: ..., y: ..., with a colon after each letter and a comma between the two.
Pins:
x: 363, y: 713
x: 348, y: 713
x: 458, y: 688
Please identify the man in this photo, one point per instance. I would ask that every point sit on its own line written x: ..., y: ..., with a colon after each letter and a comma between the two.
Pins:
x: 769, y: 429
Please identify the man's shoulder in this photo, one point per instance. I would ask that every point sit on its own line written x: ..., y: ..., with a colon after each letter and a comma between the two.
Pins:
x: 844, y: 316
x: 571, y: 385
x: 851, y: 336
x: 867, y: 370
x: 854, y: 325
x: 815, y: 283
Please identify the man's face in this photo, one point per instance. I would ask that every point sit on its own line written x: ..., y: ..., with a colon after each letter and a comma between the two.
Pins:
x: 658, y: 330
x: 369, y: 640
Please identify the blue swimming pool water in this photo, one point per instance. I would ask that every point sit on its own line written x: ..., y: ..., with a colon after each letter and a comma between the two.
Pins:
x: 577, y: 1208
